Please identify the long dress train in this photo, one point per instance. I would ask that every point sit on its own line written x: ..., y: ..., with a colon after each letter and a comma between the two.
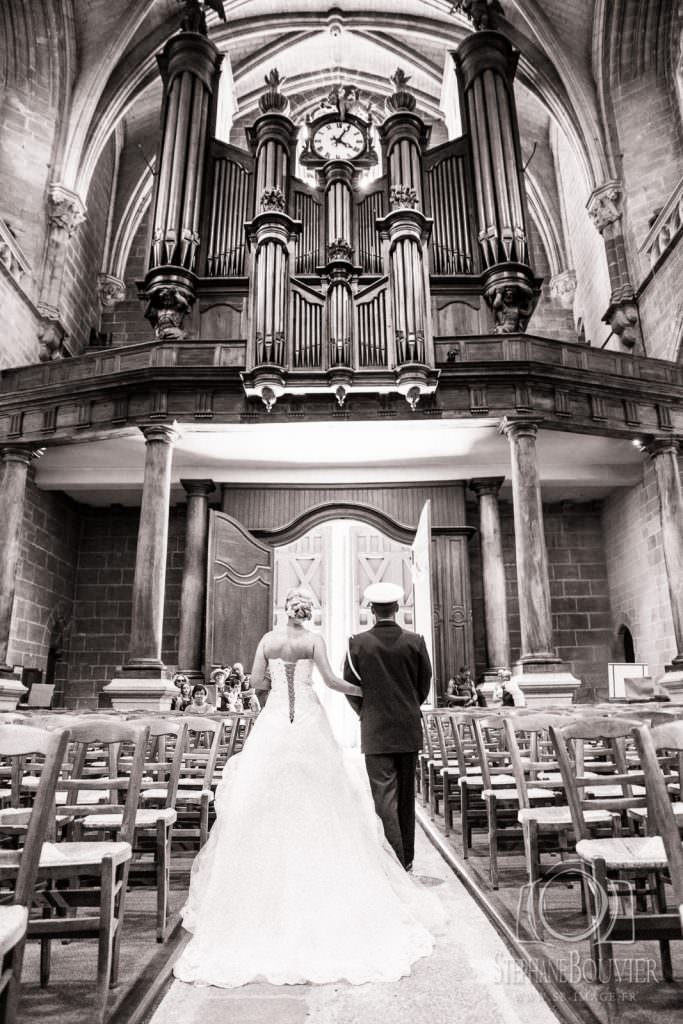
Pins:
x: 296, y: 882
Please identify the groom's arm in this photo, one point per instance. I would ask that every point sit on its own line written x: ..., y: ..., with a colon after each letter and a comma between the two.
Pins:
x: 351, y: 677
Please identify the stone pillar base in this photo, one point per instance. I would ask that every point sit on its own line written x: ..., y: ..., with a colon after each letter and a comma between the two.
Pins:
x: 130, y: 693
x: 672, y: 684
x: 545, y: 683
x: 11, y: 690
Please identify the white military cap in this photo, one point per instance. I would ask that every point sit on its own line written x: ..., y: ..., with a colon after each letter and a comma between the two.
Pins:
x: 383, y: 593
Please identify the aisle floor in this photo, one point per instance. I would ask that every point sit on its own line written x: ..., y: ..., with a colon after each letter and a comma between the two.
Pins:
x: 471, y: 976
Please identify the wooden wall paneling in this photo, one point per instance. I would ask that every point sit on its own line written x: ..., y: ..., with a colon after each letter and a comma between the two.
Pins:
x: 272, y: 508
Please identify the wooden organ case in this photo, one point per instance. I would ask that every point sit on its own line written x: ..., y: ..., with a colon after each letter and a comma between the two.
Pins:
x: 343, y: 279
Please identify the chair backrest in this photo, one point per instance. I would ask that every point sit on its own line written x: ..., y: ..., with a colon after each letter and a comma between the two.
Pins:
x: 491, y: 744
x: 201, y: 748
x: 661, y: 818
x: 162, y: 766
x: 599, y: 743
x: 534, y: 731
x: 108, y: 755
x: 15, y: 746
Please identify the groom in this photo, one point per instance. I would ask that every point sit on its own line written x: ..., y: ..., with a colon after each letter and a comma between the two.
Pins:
x: 393, y: 668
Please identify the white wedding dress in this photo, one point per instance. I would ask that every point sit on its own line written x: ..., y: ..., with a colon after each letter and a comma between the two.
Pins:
x: 296, y: 882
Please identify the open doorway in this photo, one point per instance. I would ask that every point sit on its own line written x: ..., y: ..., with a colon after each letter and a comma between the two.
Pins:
x: 336, y: 560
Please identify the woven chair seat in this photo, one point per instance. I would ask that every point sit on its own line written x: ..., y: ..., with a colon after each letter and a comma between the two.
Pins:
x: 145, y: 818
x: 625, y: 852
x: 512, y: 794
x: 13, y: 924
x: 561, y: 816
x: 496, y: 780
x: 639, y: 813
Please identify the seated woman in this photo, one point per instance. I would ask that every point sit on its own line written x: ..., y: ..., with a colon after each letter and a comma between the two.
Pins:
x: 184, y: 697
x: 200, y: 704
x: 508, y: 693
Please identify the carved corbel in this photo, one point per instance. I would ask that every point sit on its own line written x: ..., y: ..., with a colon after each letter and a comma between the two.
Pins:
x: 111, y: 290
x: 166, y: 311
x: 605, y: 205
x: 563, y: 288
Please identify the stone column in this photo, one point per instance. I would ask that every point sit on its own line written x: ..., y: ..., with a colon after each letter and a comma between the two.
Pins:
x: 664, y: 454
x: 493, y: 575
x: 66, y: 212
x: 143, y: 681
x: 539, y: 670
x: 605, y: 209
x: 193, y: 593
x: 15, y: 463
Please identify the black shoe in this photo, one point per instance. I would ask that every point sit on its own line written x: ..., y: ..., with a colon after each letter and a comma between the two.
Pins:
x: 409, y: 867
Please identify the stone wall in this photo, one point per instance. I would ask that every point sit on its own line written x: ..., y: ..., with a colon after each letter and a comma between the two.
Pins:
x: 46, y: 578
x: 637, y: 577
x: 80, y: 302
x: 579, y: 592
x: 103, y: 599
x: 586, y: 249
x: 125, y: 321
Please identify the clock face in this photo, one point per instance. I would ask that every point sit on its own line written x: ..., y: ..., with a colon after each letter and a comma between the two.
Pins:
x: 338, y: 140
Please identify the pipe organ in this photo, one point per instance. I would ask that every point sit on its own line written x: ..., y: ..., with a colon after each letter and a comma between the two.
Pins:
x: 346, y: 281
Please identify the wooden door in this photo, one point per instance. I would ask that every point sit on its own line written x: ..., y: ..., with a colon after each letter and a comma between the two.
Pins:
x: 421, y: 550
x: 239, y: 603
x: 376, y: 558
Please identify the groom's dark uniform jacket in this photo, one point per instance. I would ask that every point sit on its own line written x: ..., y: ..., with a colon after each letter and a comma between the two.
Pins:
x: 395, y: 673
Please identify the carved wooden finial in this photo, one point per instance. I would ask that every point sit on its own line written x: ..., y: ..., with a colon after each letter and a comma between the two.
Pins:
x: 480, y: 12
x: 401, y: 98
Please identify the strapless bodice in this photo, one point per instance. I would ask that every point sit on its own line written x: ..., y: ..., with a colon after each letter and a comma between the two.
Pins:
x: 291, y: 681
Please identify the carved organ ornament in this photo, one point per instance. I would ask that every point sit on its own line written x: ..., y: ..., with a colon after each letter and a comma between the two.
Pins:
x: 337, y: 271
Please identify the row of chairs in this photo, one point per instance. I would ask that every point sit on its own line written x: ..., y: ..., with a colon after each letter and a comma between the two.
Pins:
x: 90, y: 805
x: 599, y: 786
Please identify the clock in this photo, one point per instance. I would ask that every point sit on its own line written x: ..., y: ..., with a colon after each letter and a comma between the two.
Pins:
x: 338, y: 140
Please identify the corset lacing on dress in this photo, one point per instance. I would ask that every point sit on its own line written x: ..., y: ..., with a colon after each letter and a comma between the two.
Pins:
x: 290, y: 670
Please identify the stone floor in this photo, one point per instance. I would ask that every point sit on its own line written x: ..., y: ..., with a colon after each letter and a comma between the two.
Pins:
x: 471, y: 976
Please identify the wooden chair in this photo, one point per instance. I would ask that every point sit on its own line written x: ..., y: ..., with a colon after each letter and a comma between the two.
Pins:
x: 81, y: 874
x: 549, y: 821
x: 663, y: 817
x: 155, y: 818
x: 195, y: 788
x: 612, y: 861
x: 471, y: 778
x: 502, y: 802
x: 20, y: 868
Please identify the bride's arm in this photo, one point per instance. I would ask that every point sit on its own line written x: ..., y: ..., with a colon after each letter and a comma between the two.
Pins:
x: 259, y: 680
x: 329, y: 678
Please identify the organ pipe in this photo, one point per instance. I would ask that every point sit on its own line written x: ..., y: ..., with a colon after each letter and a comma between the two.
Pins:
x: 486, y: 66
x: 189, y: 66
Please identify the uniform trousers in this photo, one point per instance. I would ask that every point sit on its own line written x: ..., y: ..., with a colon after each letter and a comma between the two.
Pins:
x: 392, y: 781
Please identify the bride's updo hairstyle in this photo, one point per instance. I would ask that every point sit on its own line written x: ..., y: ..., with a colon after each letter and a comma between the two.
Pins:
x: 299, y: 605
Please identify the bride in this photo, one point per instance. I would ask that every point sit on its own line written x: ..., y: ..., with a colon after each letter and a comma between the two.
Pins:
x: 328, y: 899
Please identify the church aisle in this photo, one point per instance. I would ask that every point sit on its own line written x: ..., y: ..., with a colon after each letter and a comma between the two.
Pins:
x: 470, y: 976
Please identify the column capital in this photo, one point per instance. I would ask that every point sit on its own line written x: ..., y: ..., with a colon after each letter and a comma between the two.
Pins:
x: 20, y: 453
x: 520, y: 426
x: 486, y: 485
x: 166, y: 433
x: 198, y: 488
x: 654, y: 446
x: 605, y: 204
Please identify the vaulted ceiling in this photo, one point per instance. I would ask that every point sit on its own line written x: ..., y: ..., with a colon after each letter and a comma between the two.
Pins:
x: 102, y: 68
